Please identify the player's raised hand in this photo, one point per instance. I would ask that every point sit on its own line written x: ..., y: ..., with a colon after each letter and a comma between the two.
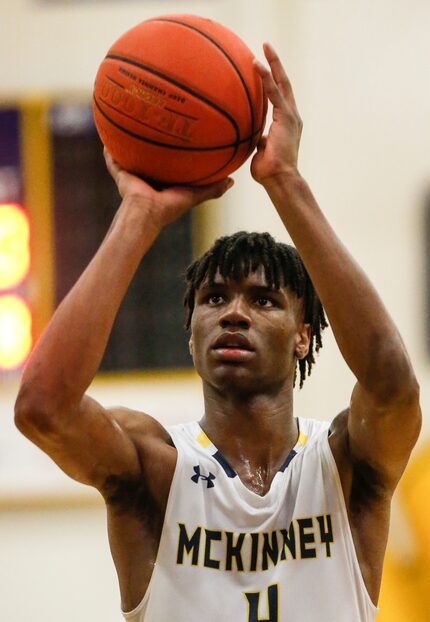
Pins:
x: 277, y: 152
x: 166, y: 205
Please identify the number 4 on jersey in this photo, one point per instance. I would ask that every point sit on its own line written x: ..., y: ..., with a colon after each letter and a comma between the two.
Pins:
x: 253, y: 599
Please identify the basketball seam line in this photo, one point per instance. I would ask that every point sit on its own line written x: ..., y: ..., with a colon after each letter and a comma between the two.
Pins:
x: 166, y: 145
x: 121, y: 86
x: 179, y: 85
x: 156, y: 129
x: 234, y: 146
x: 181, y: 114
x: 209, y: 38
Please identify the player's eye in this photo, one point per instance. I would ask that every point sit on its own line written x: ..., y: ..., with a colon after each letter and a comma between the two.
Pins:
x: 215, y: 299
x: 263, y: 301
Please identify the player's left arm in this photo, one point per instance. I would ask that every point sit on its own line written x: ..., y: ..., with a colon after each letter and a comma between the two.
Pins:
x: 384, y: 416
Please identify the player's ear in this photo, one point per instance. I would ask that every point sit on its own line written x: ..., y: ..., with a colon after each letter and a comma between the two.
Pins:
x: 190, y: 346
x: 303, y: 340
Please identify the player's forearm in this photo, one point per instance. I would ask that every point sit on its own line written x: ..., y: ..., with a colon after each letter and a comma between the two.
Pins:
x: 69, y: 352
x: 366, y: 335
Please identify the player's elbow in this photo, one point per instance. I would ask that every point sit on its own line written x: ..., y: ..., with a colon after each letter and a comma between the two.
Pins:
x: 390, y: 376
x: 409, y: 394
x: 33, y: 414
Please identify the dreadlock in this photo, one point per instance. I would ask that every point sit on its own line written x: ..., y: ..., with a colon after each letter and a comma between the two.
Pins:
x: 238, y: 255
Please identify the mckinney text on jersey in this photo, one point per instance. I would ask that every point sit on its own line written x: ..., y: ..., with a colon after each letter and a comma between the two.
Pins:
x: 305, y: 538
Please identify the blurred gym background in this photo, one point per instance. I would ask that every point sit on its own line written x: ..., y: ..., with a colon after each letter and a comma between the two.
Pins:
x: 360, y: 72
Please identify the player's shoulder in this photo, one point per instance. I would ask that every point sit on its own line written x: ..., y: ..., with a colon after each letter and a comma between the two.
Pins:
x: 157, y: 459
x: 311, y: 429
x: 317, y: 432
x: 139, y: 426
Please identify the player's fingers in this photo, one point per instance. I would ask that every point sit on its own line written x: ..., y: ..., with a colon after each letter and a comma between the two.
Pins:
x: 270, y: 88
x: 111, y: 165
x: 212, y: 191
x: 279, y: 74
x: 199, y: 194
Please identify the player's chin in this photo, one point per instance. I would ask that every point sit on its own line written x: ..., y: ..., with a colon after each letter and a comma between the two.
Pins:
x: 234, y: 378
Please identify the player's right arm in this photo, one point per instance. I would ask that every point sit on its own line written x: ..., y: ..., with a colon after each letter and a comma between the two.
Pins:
x: 87, y: 441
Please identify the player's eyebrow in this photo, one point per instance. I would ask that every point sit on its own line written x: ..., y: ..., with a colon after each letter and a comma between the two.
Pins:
x: 254, y: 289
x: 208, y: 289
x: 264, y: 289
x: 211, y: 287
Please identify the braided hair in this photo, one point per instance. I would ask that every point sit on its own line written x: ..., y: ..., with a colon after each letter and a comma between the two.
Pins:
x: 236, y: 256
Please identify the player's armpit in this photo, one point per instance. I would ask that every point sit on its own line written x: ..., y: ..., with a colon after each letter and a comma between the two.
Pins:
x: 381, y: 436
x: 93, y: 443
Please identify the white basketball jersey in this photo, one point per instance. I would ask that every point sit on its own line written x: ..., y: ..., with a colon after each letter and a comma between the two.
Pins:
x: 227, y: 553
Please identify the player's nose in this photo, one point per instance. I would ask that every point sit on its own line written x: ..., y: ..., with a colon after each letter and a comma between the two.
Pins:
x: 236, y: 313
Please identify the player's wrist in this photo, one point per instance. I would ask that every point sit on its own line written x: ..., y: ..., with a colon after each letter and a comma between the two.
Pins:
x: 284, y: 180
x: 140, y: 215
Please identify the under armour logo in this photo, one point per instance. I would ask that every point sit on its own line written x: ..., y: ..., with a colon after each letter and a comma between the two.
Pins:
x: 207, y: 478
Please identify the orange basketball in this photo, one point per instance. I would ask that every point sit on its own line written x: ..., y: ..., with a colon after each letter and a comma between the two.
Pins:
x: 178, y: 101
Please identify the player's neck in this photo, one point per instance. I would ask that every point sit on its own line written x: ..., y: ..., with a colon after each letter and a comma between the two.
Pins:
x: 259, y: 429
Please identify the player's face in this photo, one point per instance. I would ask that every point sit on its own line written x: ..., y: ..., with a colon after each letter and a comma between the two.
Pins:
x: 246, y: 336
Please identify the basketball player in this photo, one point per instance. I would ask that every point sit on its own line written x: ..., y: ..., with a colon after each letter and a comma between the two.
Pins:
x: 251, y: 514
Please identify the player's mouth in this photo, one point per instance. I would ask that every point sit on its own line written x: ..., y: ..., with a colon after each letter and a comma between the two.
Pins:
x: 233, y: 347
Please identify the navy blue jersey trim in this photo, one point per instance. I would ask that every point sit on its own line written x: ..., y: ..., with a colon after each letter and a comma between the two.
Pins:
x: 288, y: 460
x: 225, y: 465
x: 232, y: 473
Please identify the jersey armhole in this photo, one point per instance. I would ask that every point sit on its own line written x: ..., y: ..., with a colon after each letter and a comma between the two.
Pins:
x: 135, y: 614
x: 331, y: 463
